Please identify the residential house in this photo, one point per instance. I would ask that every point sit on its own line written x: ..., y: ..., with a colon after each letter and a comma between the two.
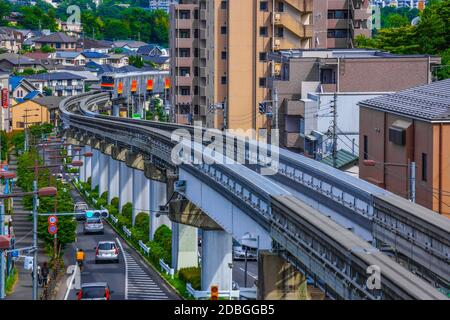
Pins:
x: 158, y: 62
x: 71, y: 29
x: 10, y: 40
x: 152, y: 50
x: 68, y: 58
x: 117, y: 60
x: 404, y: 133
x: 131, y: 45
x: 97, y: 57
x: 10, y: 62
x: 52, y: 105
x: 92, y: 45
x: 312, y: 85
x: 58, y: 40
x: 21, y: 89
x: 61, y: 84
x: 28, y: 113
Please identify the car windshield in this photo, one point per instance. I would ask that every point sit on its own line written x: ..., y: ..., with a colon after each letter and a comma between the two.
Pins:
x: 106, y: 246
x: 94, y: 221
x: 93, y: 292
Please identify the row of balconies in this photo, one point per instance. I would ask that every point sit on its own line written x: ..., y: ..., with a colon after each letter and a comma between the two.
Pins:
x: 301, y: 5
x: 287, y: 21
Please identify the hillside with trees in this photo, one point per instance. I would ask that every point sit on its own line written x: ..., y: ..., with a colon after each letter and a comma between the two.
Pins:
x: 430, y: 36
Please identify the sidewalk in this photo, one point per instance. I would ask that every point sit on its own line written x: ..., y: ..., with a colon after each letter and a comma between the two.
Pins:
x: 23, y: 231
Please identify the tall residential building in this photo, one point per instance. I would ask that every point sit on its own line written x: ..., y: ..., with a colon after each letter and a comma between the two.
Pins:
x: 338, y: 22
x: 161, y: 4
x: 220, y: 50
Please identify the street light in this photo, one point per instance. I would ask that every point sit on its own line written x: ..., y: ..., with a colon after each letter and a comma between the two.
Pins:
x: 411, y: 165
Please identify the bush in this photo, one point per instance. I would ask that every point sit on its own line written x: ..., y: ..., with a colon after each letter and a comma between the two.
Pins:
x: 192, y: 276
x: 104, y: 196
x: 112, y: 210
x: 127, y: 210
x: 115, y: 203
x: 163, y: 236
x: 89, y: 181
x: 157, y: 252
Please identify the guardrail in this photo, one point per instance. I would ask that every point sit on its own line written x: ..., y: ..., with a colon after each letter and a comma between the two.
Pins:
x: 198, y: 294
x: 144, y: 247
x: 166, y: 268
x: 114, y: 219
x: 127, y: 232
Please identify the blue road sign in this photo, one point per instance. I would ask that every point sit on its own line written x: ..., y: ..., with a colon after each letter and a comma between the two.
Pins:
x: 15, y: 253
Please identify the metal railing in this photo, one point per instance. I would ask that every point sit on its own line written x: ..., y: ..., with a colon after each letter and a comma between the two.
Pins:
x: 166, y: 268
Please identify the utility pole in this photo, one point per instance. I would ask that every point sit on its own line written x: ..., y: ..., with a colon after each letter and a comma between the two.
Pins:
x: 334, y: 111
x: 412, y: 180
x: 35, y: 231
x: 275, y: 104
x: 2, y: 258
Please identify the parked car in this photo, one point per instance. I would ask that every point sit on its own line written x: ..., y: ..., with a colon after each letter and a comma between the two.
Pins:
x: 107, y: 251
x: 94, y: 291
x: 93, y: 225
x: 80, y: 208
x: 239, y: 253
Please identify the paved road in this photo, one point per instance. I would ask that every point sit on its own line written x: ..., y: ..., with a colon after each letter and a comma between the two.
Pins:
x: 239, y: 273
x: 130, y: 279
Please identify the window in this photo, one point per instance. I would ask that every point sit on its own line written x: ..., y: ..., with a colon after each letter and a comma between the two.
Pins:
x: 224, y: 55
x: 223, y: 30
x: 184, y: 71
x: 184, y: 33
x: 263, y: 6
x: 223, y: 5
x: 223, y: 80
x: 337, y: 33
x: 327, y: 76
x: 262, y: 82
x: 185, y: 14
x: 262, y: 56
x: 263, y: 31
x: 337, y: 14
x: 280, y: 7
x: 280, y: 32
x: 366, y: 148
x: 185, y: 52
x: 185, y: 91
x: 424, y: 167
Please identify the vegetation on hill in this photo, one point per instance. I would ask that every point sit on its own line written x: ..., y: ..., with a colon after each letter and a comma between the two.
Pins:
x: 430, y: 36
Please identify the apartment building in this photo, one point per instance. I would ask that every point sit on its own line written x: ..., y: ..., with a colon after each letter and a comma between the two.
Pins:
x: 220, y: 72
x: 409, y: 126
x: 161, y: 4
x: 310, y: 83
x: 337, y: 22
x: 61, y: 84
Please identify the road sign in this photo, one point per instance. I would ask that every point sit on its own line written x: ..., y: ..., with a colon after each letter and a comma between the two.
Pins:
x: 52, y: 220
x: 52, y: 229
x: 15, y: 253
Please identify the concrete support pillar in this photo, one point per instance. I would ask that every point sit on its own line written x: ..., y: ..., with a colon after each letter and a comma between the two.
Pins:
x: 115, y: 110
x: 125, y: 184
x: 95, y: 180
x: 69, y: 150
x: 82, y: 169
x: 216, y: 257
x: 88, y: 165
x: 158, y: 197
x: 184, y: 246
x: 104, y: 173
x: 141, y: 191
x: 278, y: 279
x: 113, y: 179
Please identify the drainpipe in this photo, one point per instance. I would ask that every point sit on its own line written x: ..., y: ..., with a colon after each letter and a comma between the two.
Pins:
x: 440, y: 168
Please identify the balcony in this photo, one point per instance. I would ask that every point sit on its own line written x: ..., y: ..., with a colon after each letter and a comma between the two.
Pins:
x: 294, y: 140
x: 287, y: 21
x: 295, y: 108
x: 362, y: 14
x: 183, y: 99
x: 203, y: 14
x: 202, y: 72
x: 184, y: 23
x: 184, y: 81
x: 185, y: 42
x: 301, y: 5
x: 202, y: 91
x: 183, y: 61
x: 337, y: 23
x: 202, y: 34
x: 203, y: 53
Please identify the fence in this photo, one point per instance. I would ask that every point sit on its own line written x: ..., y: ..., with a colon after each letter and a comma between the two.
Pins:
x: 127, y: 232
x: 166, y: 268
x: 144, y: 247
x: 114, y: 219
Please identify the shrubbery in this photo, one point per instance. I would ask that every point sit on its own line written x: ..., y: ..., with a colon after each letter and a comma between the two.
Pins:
x: 191, y: 275
x: 127, y: 210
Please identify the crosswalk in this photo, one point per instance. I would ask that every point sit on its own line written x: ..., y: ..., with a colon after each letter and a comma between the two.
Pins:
x: 139, y: 285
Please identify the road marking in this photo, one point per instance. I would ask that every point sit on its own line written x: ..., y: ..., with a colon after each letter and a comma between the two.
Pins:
x: 250, y: 274
x: 126, y: 268
x: 69, y: 287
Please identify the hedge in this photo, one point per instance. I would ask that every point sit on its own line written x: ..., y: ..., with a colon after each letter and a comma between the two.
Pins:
x: 127, y: 210
x: 191, y: 275
x: 115, y: 203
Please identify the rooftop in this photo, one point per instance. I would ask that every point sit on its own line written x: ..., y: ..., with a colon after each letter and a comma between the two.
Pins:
x: 129, y: 43
x: 344, y: 159
x: 55, y: 76
x: 56, y: 37
x: 14, y: 58
x: 429, y: 102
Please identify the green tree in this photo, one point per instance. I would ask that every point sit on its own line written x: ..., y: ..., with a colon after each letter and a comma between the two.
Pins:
x: 396, y: 20
x: 47, y: 49
x: 5, y: 11
x: 136, y: 61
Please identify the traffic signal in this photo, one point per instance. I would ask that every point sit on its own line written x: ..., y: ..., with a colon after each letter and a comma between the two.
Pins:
x: 214, y: 292
x: 262, y: 107
x: 102, y: 213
